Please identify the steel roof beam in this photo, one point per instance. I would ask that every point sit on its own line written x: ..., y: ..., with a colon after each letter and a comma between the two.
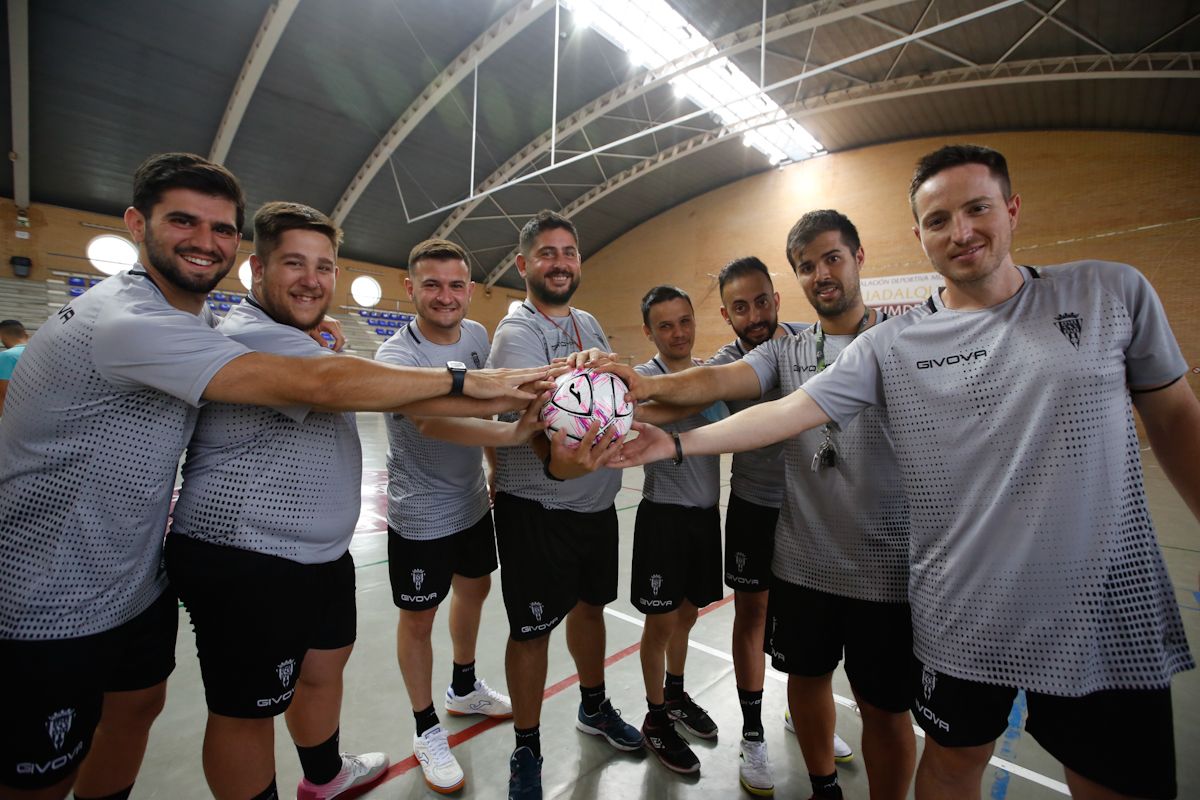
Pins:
x: 1042, y: 70
x: 18, y: 69
x: 269, y: 33
x: 501, y: 33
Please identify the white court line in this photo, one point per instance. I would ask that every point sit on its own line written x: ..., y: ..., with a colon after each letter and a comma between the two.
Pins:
x: 773, y: 674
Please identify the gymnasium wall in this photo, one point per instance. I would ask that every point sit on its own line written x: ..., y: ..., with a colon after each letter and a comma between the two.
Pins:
x: 58, y: 239
x: 1116, y: 196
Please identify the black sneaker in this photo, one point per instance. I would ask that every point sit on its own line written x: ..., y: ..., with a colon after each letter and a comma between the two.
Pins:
x: 671, y: 749
x: 693, y: 717
x: 525, y: 775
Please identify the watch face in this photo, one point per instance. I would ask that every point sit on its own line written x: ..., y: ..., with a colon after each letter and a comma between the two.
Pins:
x: 455, y: 365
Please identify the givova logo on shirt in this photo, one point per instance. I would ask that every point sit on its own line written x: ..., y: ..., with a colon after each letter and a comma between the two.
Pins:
x: 952, y: 359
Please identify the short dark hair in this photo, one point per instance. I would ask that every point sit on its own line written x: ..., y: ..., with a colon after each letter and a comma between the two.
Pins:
x: 275, y: 218
x: 661, y: 294
x: 165, y: 171
x: 956, y: 155
x: 740, y: 267
x: 544, y: 220
x: 812, y: 225
x: 13, y: 327
x: 438, y: 250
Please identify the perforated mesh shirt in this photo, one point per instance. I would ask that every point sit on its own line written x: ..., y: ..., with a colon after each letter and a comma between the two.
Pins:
x: 98, y: 413
x: 284, y: 481
x: 435, y: 488
x: 1033, y: 561
x: 696, y: 483
x: 843, y: 529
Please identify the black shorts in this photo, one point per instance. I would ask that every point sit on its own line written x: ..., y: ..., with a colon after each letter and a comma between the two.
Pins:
x: 255, y: 617
x: 676, y: 556
x: 421, y: 570
x: 1078, y: 731
x: 550, y: 559
x: 808, y: 631
x: 56, y: 690
x: 749, y: 545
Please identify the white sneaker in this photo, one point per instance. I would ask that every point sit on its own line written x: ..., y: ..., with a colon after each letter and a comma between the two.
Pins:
x: 483, y: 700
x: 442, y: 772
x: 755, y: 769
x: 842, y: 752
x: 356, y: 771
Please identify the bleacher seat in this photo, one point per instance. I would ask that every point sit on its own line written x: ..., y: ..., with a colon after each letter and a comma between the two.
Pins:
x: 218, y: 296
x: 75, y: 280
x: 94, y: 282
x: 382, y: 332
x: 362, y: 312
x: 76, y: 291
x: 225, y: 306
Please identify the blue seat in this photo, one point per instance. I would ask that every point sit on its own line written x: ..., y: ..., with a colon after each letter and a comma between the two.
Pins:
x: 75, y: 280
x: 94, y: 282
x: 363, y: 313
x: 382, y: 332
x: 235, y: 299
x: 225, y: 306
x: 218, y: 296
x: 75, y: 291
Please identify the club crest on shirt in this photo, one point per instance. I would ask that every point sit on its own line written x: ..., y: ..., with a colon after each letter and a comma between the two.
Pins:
x: 475, y: 359
x: 285, y: 670
x: 58, y: 725
x: 1071, y: 326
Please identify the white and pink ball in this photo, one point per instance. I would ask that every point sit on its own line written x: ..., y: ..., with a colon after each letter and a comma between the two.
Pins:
x: 582, y: 396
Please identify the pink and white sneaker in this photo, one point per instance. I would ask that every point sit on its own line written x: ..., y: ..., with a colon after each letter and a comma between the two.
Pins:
x: 356, y: 771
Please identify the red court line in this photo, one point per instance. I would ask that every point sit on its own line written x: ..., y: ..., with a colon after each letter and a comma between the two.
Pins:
x: 467, y: 734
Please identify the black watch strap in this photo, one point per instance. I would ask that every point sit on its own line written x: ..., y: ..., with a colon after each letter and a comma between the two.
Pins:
x: 546, y: 468
x: 678, y: 459
x: 458, y: 373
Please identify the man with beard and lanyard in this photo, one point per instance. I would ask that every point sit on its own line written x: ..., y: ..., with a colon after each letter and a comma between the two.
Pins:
x: 1033, y: 559
x: 440, y: 532
x: 556, y: 526
x: 838, y: 572
x: 102, y: 408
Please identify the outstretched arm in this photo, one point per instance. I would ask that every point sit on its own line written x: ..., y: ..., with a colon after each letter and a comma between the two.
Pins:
x: 758, y: 426
x: 697, y: 386
x: 484, y: 432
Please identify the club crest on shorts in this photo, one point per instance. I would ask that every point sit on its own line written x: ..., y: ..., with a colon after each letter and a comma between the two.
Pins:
x: 928, y: 681
x: 655, y: 583
x: 418, y: 577
x: 740, y: 558
x: 536, y: 609
x: 1071, y: 326
x: 58, y: 725
x: 285, y: 670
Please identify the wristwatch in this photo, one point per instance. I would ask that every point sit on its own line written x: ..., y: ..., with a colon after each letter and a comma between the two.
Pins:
x: 458, y: 371
x: 678, y: 459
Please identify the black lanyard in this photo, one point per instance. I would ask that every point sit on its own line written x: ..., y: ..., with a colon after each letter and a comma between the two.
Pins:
x: 820, y: 337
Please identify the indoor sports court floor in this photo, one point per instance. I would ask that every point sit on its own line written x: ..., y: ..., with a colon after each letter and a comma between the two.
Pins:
x: 376, y: 713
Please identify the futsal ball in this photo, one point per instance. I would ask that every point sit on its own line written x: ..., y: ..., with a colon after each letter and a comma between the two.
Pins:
x: 583, y: 396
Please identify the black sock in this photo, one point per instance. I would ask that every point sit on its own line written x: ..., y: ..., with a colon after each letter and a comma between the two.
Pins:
x: 121, y: 795
x: 269, y: 793
x: 752, y: 727
x: 657, y: 718
x: 426, y: 719
x: 322, y: 763
x: 826, y: 786
x: 673, y: 688
x: 592, y: 696
x: 531, y: 738
x: 462, y: 682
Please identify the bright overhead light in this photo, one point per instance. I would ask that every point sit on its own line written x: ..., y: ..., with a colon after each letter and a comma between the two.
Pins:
x: 246, y: 275
x: 653, y: 34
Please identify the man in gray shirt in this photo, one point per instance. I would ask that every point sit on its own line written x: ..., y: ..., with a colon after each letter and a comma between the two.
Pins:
x: 440, y: 532
x: 1033, y: 560
x: 676, y: 548
x: 107, y: 398
x: 557, y: 538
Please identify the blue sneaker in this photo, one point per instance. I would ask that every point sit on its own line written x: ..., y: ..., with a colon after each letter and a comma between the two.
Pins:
x: 607, y: 722
x: 525, y: 775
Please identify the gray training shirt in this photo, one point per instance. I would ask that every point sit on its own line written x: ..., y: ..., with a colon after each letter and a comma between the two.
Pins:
x: 757, y: 475
x: 843, y: 529
x: 99, y: 410
x: 1033, y: 559
x: 284, y: 482
x: 696, y: 482
x: 435, y: 488
x: 527, y: 339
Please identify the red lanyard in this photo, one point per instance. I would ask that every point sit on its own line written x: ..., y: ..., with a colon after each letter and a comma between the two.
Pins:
x: 574, y: 324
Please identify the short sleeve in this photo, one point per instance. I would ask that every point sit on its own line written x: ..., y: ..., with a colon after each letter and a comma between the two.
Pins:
x: 1152, y: 356
x: 851, y: 383
x: 765, y: 361
x: 516, y: 346
x: 7, y: 364
x: 165, y: 349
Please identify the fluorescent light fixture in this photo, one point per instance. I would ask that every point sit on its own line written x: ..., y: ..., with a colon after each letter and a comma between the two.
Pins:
x: 653, y: 34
